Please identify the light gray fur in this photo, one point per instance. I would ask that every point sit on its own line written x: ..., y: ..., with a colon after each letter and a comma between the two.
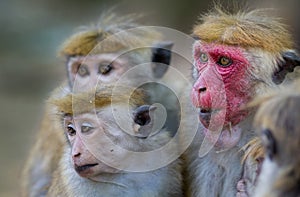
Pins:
x: 164, y: 182
x: 217, y: 173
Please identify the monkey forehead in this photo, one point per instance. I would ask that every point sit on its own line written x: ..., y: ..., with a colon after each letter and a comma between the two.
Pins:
x: 109, y: 57
x: 215, y: 49
x: 98, y: 115
x: 246, y: 29
x: 78, y: 103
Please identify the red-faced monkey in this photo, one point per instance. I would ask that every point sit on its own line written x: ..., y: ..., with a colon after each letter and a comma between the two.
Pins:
x: 97, y: 150
x: 96, y: 55
x: 236, y: 57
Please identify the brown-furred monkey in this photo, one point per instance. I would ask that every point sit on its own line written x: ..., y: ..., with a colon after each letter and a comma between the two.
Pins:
x: 236, y: 57
x: 276, y: 120
x: 277, y: 124
x: 95, y: 55
x: 98, y: 150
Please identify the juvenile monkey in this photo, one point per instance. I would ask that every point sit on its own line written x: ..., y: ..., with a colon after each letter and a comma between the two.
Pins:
x: 277, y: 124
x: 98, y: 150
x: 95, y: 55
x: 236, y: 57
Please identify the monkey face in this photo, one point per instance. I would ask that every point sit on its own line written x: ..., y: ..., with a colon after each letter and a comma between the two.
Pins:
x: 86, y: 72
x: 83, y: 132
x: 222, y: 85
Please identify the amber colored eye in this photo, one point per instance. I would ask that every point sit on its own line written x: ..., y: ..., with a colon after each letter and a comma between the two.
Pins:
x: 203, y: 57
x: 224, y: 61
x: 83, y: 70
x: 104, y: 69
x: 70, y: 130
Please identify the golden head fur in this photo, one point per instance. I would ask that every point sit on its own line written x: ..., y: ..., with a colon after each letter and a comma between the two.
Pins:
x: 254, y: 150
x: 77, y: 103
x: 246, y: 29
x: 112, y: 33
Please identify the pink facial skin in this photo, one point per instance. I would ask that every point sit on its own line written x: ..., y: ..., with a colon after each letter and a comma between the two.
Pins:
x: 220, y: 91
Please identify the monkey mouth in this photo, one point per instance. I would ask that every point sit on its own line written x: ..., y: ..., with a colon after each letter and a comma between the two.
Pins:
x: 80, y: 169
x: 205, y: 115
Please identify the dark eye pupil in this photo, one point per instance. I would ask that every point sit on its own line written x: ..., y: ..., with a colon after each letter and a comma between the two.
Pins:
x: 224, y: 62
x: 83, y: 71
x: 105, y: 69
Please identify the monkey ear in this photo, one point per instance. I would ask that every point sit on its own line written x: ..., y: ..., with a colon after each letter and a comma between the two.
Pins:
x: 141, y: 115
x: 290, y: 61
x: 161, y: 54
x: 269, y: 143
x: 142, y: 125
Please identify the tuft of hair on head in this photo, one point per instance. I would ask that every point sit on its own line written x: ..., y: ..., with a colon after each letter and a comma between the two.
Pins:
x: 112, y: 33
x: 78, y: 103
x: 248, y: 29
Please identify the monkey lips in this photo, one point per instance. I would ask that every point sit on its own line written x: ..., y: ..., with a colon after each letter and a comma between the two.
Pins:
x: 84, y: 170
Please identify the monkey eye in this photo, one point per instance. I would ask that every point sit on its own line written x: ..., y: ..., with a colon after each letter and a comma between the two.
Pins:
x: 269, y: 142
x: 224, y: 61
x: 71, y: 130
x: 83, y: 70
x: 86, y: 127
x: 104, y: 69
x: 203, y: 57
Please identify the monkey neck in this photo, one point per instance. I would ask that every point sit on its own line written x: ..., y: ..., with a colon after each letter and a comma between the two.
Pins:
x: 229, y: 136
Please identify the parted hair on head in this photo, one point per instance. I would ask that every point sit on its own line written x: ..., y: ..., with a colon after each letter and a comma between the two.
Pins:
x: 246, y: 29
x: 112, y: 33
x: 78, y: 103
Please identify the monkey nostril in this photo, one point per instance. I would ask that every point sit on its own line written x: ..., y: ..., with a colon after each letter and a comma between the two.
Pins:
x: 202, y: 89
x: 76, y: 155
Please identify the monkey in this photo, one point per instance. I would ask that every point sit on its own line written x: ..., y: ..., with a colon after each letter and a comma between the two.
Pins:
x: 237, y: 55
x: 94, y: 56
x: 276, y: 123
x: 255, y: 153
x: 83, y: 172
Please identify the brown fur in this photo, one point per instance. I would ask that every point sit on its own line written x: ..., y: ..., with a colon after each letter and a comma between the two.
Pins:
x: 85, y: 102
x: 246, y: 29
x: 36, y: 175
x: 280, y: 114
x: 253, y: 150
x: 109, y: 35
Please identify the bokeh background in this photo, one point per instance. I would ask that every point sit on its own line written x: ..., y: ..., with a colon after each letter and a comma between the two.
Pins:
x: 31, y: 33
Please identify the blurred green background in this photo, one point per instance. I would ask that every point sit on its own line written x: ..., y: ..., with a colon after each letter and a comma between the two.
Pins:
x: 31, y: 32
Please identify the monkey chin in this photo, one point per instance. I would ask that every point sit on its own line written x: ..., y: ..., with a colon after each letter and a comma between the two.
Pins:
x: 223, y: 133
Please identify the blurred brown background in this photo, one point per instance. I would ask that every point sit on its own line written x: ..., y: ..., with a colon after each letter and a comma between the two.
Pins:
x: 31, y: 32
